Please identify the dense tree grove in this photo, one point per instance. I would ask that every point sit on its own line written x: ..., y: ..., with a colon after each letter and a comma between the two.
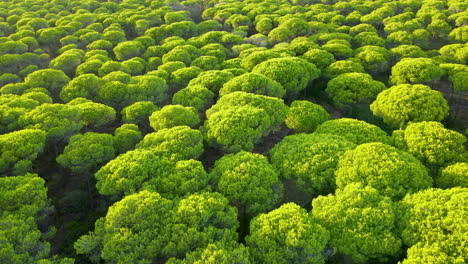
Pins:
x: 207, y: 131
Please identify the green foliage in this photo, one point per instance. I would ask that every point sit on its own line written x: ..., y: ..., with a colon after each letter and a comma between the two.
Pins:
x: 253, y: 83
x: 415, y: 70
x: 376, y: 60
x: 248, y: 181
x: 169, y: 229
x: 361, y: 223
x: 174, y: 115
x: 126, y: 137
x: 176, y: 143
x: 353, y: 130
x: 342, y: 66
x: 25, y: 195
x: 52, y: 80
x: 287, y: 235
x: 128, y: 49
x: 87, y: 152
x: 93, y: 114
x: 251, y: 60
x: 390, y: 171
x: 321, y: 58
x: 138, y: 113
x: 455, y: 175
x: 354, y: 87
x: 58, y: 120
x: 310, y: 160
x: 403, y: 103
x: 213, y: 80
x: 85, y: 85
x: 185, y: 177
x: 222, y: 253
x: 19, y: 149
x: 305, y: 116
x: 11, y: 108
x: 291, y: 72
x: 127, y: 172
x: 196, y: 96
x: 459, y: 81
x: 236, y: 128
x: 274, y: 107
x: 67, y: 61
x: 21, y: 240
x: 433, y: 144
x: 435, y: 219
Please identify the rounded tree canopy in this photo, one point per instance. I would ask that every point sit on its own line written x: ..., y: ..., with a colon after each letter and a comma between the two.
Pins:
x: 176, y: 143
x: 93, y: 114
x: 353, y: 130
x: 433, y: 144
x: 403, y: 103
x: 174, y: 115
x: 249, y: 182
x: 85, y: 85
x: 310, y: 160
x: 291, y: 72
x: 236, y: 128
x: 286, y: 235
x: 138, y: 113
x: 361, y: 223
x: 354, y: 87
x: 58, y: 120
x: 342, y: 66
x: 455, y: 175
x: 127, y: 173
x: 435, y: 218
x: 213, y: 80
x: 52, y: 80
x: 223, y: 253
x: 25, y: 195
x: 196, y: 96
x: 391, y: 171
x: 253, y: 83
x: 128, y: 49
x: 274, y: 107
x: 87, y: 151
x: 321, y: 58
x: 305, y: 116
x: 415, y: 70
x: 126, y: 137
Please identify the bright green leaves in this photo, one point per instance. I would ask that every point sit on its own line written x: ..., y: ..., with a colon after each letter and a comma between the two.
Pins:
x: 403, y: 103
x: 434, y: 221
x: 253, y: 83
x: 174, y: 115
x: 144, y: 225
x: 351, y: 88
x: 415, y: 70
x: 239, y: 120
x: 353, y: 130
x: 249, y: 182
x: 455, y: 175
x: 86, y: 152
x: 305, y: 116
x: 286, y: 235
x: 433, y: 144
x: 294, y: 74
x: 19, y: 149
x: 310, y: 160
x: 392, y: 172
x: 177, y: 143
x: 361, y: 223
